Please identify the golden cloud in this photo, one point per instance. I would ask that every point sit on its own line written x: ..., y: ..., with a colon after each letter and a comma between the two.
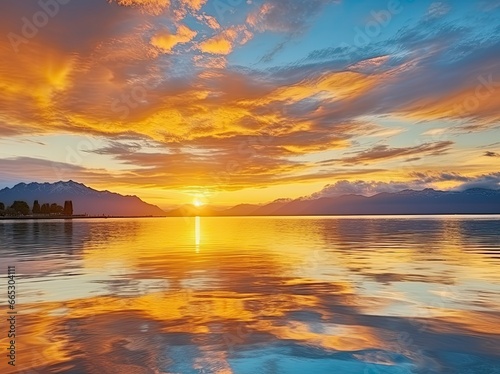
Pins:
x: 223, y: 43
x: 167, y: 41
x: 194, y: 4
x: 151, y: 6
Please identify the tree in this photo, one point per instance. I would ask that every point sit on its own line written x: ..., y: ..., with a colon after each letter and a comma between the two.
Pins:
x: 2, y: 206
x: 45, y: 209
x: 36, y: 207
x: 68, y: 208
x: 21, y: 207
x: 55, y: 208
x: 10, y: 212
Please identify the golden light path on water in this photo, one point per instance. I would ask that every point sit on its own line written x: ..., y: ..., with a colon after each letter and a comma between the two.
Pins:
x: 245, y: 295
x: 197, y: 233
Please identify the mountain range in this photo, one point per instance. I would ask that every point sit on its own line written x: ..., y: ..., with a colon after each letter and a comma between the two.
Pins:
x: 427, y: 201
x: 86, y: 200
x: 89, y: 201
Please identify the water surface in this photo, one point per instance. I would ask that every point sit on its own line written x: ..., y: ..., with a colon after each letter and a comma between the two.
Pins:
x: 276, y: 295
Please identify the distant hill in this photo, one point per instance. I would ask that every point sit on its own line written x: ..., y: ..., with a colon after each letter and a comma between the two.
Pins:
x: 86, y: 200
x: 189, y: 210
x: 428, y: 201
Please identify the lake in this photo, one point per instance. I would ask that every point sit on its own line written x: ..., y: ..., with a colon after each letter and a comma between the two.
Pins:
x: 246, y: 295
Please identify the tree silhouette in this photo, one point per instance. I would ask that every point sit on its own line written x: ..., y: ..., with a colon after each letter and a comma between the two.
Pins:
x: 2, y: 206
x: 68, y: 208
x: 21, y: 207
x: 55, y: 208
x: 36, y: 207
x: 45, y: 209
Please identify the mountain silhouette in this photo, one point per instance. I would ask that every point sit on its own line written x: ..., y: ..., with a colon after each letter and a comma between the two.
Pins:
x: 427, y: 201
x: 86, y: 200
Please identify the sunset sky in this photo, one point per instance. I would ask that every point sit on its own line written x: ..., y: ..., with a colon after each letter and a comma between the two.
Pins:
x: 232, y: 101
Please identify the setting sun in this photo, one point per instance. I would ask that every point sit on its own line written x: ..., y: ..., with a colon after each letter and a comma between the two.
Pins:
x: 197, y: 202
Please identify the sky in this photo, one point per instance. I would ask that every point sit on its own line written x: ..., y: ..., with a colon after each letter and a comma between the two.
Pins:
x: 247, y: 101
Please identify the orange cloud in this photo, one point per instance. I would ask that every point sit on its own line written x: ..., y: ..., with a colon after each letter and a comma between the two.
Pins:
x: 151, y: 6
x: 223, y: 43
x: 477, y: 103
x: 167, y: 41
x: 209, y: 21
x: 194, y: 4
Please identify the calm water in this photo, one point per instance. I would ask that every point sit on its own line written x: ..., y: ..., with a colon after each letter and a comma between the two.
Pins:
x: 368, y: 295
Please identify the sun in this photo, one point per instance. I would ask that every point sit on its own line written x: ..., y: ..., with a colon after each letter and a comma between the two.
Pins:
x: 197, y: 202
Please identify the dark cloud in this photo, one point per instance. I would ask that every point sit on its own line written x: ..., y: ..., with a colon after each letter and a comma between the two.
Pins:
x: 365, y: 188
x: 118, y: 148
x: 489, y: 181
x: 491, y: 154
x: 432, y: 177
x: 384, y: 152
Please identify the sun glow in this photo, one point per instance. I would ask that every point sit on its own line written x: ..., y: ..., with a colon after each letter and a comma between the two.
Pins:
x: 197, y: 202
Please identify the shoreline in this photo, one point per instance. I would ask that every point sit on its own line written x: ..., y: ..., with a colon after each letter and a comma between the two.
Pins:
x: 30, y: 218
x: 24, y: 218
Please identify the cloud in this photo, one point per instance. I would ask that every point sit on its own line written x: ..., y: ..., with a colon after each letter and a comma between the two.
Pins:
x: 433, y: 177
x: 167, y: 41
x: 286, y: 16
x: 41, y: 170
x: 153, y: 6
x: 421, y: 181
x: 209, y: 20
x: 491, y: 154
x: 223, y: 43
x: 194, y: 4
x: 291, y: 17
x: 384, y: 152
x: 489, y: 181
x: 365, y: 188
x: 435, y: 132
x: 420, y: 80
x: 489, y: 5
x: 438, y: 9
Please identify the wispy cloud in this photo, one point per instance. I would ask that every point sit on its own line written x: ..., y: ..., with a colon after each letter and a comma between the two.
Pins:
x: 384, y: 152
x: 491, y: 154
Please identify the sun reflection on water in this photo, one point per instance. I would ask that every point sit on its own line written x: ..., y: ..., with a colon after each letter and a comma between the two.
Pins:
x: 197, y: 233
